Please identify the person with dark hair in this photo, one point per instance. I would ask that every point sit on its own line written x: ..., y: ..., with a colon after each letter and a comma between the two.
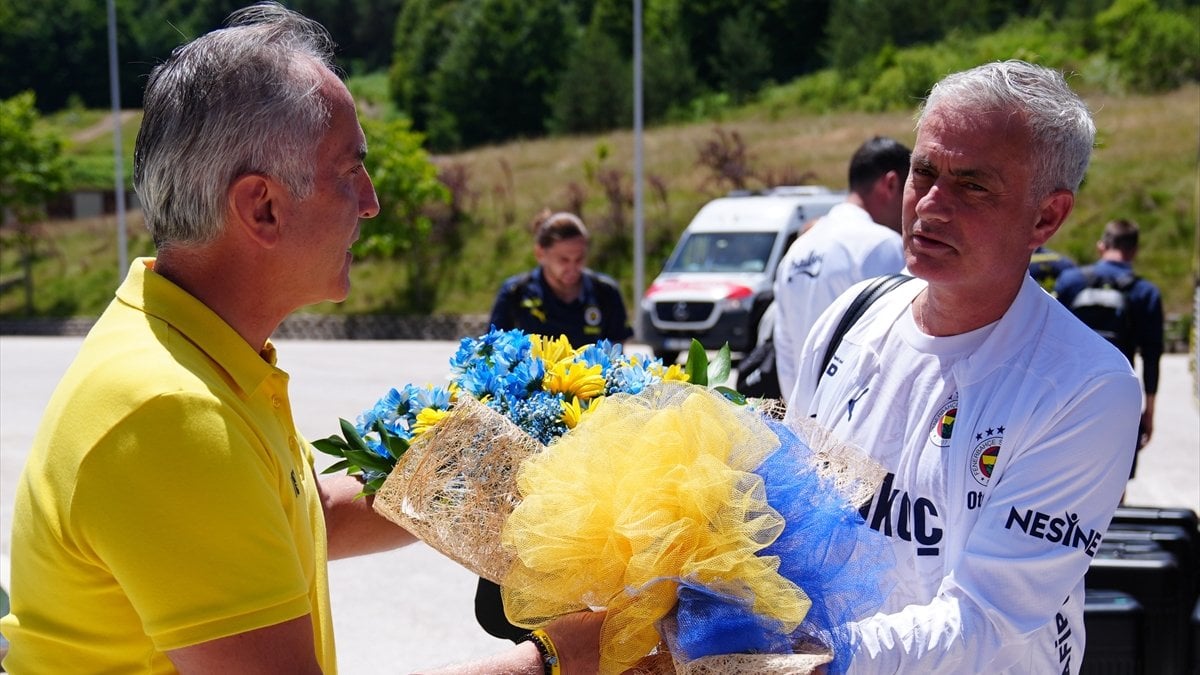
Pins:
x: 169, y: 518
x: 856, y: 240
x: 1122, y: 307
x: 1003, y: 426
x: 561, y: 296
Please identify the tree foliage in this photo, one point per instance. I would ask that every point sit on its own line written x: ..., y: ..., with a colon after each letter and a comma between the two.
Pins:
x: 1156, y: 49
x: 498, y: 72
x: 33, y: 168
x: 59, y: 49
x: 402, y: 170
x: 594, y: 91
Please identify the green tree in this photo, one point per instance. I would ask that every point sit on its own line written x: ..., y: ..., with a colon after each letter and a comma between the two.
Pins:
x: 594, y: 90
x: 1155, y: 49
x: 496, y: 78
x: 33, y: 169
x: 424, y: 30
x: 407, y: 184
x: 742, y: 61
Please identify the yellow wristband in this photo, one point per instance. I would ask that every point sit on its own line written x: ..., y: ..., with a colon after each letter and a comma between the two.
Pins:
x: 545, y: 647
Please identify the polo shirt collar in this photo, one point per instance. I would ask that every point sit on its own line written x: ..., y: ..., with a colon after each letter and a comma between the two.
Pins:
x: 154, y: 295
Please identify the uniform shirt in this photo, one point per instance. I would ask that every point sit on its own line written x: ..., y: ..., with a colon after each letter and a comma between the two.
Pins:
x: 1006, y: 451
x: 1046, y: 265
x: 842, y: 248
x: 1145, y: 303
x: 167, y: 500
x: 527, y: 303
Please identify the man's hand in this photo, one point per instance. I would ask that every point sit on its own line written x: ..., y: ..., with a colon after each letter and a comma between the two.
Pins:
x: 577, y: 639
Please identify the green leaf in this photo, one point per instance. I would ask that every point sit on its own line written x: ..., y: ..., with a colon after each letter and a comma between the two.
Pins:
x: 352, y: 438
x: 371, y: 487
x: 697, y: 364
x: 718, y: 369
x: 333, y: 445
x: 369, y: 460
x: 395, y: 445
x: 731, y: 394
x: 334, y: 468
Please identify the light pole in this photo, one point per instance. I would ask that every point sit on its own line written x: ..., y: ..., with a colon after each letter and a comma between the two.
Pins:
x: 118, y: 159
x: 639, y: 224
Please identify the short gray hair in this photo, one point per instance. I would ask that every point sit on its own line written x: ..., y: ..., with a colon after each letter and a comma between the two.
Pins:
x: 242, y: 99
x: 1060, y: 123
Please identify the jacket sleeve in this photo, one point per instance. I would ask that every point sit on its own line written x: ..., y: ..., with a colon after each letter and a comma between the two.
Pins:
x: 1150, y: 337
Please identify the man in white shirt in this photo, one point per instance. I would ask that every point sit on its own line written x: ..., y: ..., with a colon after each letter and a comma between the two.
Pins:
x: 1005, y: 426
x: 856, y: 240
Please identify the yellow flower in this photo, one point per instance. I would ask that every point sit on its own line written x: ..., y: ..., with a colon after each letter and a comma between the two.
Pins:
x: 574, y: 411
x: 552, y: 350
x: 427, y: 418
x: 673, y: 372
x: 574, y: 379
x: 571, y: 412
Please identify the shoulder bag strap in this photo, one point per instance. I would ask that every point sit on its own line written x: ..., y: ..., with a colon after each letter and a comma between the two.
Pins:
x: 879, y: 287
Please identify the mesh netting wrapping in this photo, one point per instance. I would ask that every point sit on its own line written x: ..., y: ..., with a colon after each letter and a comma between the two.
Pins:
x: 456, y: 485
x: 705, y: 529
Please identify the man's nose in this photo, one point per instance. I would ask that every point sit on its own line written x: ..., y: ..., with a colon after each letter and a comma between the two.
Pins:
x: 368, y: 201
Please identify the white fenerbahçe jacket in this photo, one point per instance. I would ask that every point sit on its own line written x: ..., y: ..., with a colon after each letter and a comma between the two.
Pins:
x: 1000, y: 484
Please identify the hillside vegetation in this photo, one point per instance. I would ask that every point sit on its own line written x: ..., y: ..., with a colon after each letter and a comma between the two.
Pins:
x: 455, y: 225
x: 1145, y: 168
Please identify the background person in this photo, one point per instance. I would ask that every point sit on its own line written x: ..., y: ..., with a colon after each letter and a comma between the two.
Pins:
x: 856, y: 240
x: 168, y: 518
x: 1004, y: 425
x: 1046, y: 265
x: 1123, y: 307
x: 561, y: 296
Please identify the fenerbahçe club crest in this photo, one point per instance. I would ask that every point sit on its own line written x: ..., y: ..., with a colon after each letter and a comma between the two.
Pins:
x: 983, y: 456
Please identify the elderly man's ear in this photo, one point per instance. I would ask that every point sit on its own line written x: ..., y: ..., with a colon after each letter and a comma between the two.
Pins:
x: 1053, y: 212
x: 254, y: 205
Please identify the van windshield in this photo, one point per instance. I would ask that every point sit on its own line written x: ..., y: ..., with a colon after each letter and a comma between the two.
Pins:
x: 736, y: 252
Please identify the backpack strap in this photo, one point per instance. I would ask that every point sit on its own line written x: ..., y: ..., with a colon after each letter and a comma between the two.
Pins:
x: 878, y: 287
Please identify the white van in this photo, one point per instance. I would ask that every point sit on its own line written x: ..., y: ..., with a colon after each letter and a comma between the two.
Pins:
x: 719, y: 279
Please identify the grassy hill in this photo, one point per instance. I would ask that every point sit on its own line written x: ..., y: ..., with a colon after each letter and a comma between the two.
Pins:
x: 1144, y: 168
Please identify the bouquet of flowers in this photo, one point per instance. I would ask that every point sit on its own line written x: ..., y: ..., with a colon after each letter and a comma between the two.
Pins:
x: 587, y: 479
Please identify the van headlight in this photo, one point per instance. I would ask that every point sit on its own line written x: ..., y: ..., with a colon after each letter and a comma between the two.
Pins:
x: 739, y: 299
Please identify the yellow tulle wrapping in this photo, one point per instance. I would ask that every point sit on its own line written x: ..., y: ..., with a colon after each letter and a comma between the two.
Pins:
x: 646, y: 491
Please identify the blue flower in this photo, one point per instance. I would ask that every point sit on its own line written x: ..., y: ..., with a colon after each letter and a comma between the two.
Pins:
x: 603, y: 353
x: 631, y: 378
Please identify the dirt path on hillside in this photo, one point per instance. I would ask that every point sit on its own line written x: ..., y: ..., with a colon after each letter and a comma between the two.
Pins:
x: 101, y: 127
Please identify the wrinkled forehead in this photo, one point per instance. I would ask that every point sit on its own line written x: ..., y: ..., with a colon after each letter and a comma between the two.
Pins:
x: 965, y: 131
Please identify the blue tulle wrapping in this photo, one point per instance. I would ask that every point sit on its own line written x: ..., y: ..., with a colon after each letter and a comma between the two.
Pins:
x: 825, y: 548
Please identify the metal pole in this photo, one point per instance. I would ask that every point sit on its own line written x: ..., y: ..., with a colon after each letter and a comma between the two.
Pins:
x: 639, y: 224
x: 118, y: 159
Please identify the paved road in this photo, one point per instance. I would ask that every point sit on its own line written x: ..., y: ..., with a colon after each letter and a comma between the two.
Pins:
x: 412, y: 608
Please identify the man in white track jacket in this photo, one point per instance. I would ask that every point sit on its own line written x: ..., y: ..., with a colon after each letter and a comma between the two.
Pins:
x: 1004, y: 424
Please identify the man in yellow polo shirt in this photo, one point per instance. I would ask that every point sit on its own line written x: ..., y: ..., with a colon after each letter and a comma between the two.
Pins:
x: 168, y: 518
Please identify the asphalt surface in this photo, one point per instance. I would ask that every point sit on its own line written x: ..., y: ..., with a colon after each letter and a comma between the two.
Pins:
x: 409, y: 609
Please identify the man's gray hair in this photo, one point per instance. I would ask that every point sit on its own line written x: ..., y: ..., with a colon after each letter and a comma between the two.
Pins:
x: 242, y: 99
x: 1060, y: 123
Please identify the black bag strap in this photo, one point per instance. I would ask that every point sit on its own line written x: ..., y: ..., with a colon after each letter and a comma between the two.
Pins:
x: 878, y: 287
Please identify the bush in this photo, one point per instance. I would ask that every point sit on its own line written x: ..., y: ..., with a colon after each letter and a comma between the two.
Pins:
x: 1155, y: 49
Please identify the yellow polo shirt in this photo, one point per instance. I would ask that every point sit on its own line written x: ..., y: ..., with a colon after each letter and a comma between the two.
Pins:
x: 167, y: 500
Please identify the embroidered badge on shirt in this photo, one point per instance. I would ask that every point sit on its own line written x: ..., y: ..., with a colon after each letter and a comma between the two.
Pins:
x: 983, y: 456
x: 943, y: 422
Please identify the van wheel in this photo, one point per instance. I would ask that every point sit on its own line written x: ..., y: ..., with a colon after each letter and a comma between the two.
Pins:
x: 668, y: 357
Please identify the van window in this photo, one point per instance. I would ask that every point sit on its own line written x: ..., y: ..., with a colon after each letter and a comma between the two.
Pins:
x: 724, y: 252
